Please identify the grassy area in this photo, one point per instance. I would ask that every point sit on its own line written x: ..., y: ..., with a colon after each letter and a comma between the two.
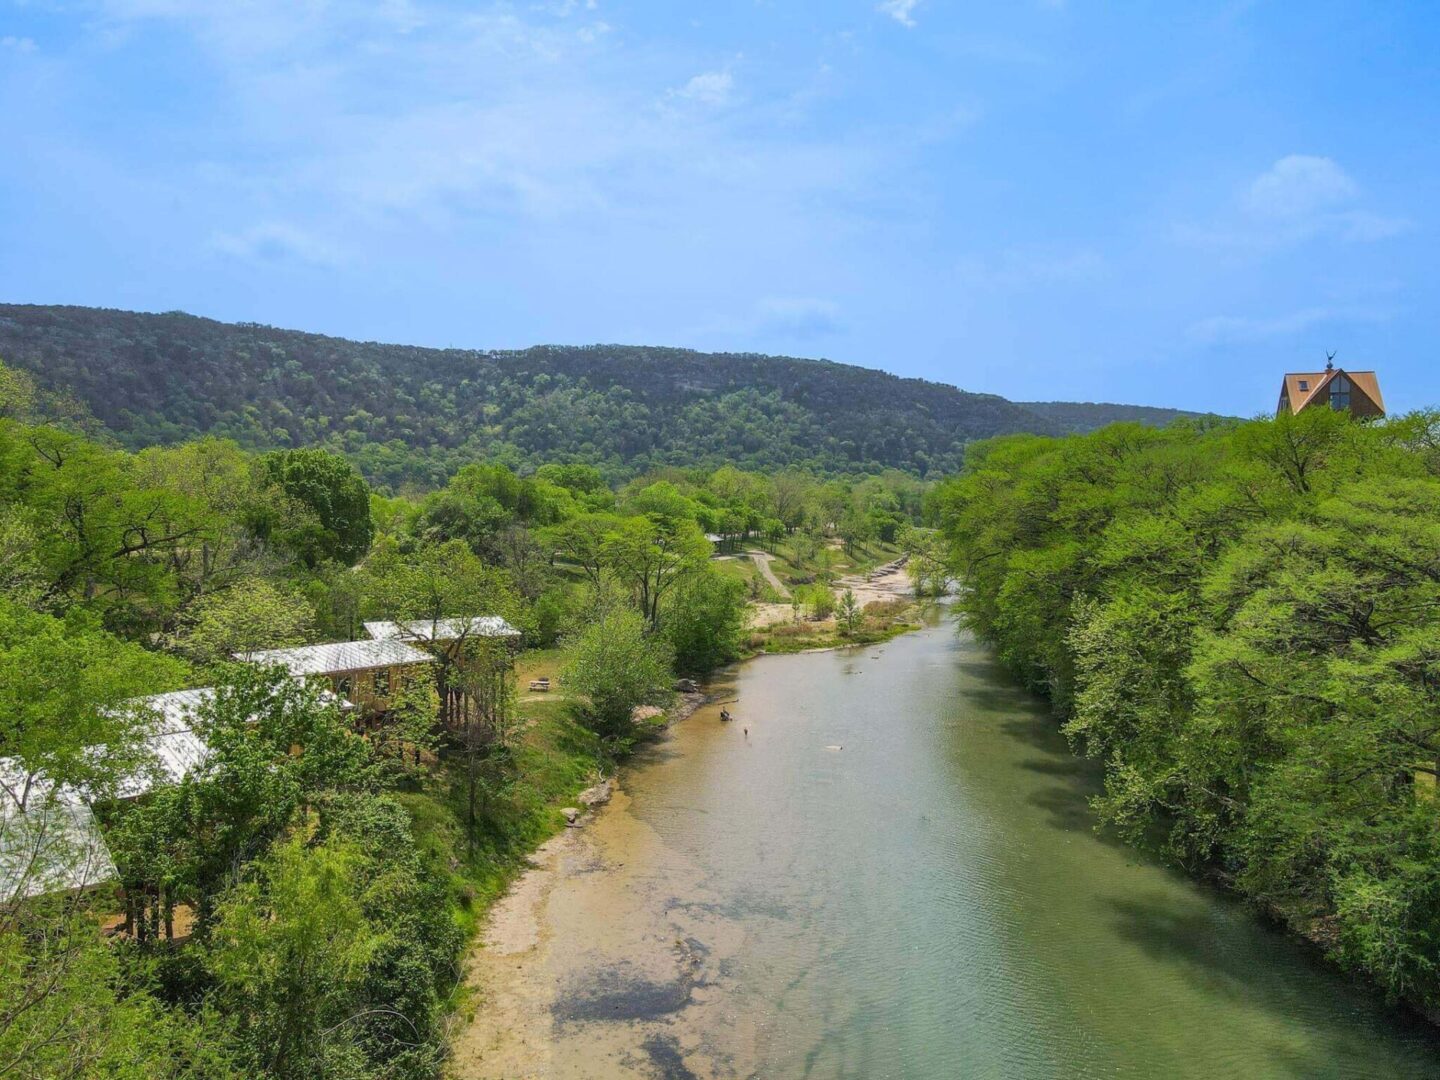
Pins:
x: 743, y: 569
x: 532, y: 664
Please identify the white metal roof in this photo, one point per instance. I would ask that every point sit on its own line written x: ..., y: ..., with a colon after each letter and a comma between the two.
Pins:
x: 173, y: 743
x: 52, y: 845
x: 441, y: 629
x: 339, y: 657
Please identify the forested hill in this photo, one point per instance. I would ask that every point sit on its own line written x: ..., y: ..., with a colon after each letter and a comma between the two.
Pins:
x: 1079, y: 417
x: 411, y: 415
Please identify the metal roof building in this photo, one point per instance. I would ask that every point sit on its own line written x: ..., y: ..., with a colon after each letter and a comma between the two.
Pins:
x: 49, y: 841
x: 173, y: 744
x: 488, y: 626
x: 340, y: 657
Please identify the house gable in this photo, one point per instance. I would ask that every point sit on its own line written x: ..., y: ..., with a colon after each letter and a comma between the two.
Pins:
x: 1359, y: 391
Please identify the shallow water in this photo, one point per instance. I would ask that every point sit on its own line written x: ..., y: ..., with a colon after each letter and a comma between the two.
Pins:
x: 895, y: 874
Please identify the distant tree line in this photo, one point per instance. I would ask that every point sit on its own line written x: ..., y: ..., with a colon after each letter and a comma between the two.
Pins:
x: 411, y: 417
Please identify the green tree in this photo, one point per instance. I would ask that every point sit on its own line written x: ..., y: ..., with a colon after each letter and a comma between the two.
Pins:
x: 652, y: 556
x: 431, y: 584
x: 581, y: 540
x: 1241, y: 622
x: 705, y: 621
x: 289, y: 954
x: 275, y: 750
x: 819, y: 600
x: 22, y: 578
x: 615, y: 666
x: 64, y: 686
x: 336, y: 524
x: 252, y: 614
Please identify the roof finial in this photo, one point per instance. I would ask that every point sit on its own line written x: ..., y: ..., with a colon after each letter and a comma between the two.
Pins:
x: 1329, y: 360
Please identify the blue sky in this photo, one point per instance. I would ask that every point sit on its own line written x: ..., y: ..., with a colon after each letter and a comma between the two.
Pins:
x: 1158, y: 203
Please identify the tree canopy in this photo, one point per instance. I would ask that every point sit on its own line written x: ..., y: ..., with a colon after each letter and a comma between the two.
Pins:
x: 1242, y: 621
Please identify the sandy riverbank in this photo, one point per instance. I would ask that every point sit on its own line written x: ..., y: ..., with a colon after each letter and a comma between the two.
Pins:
x: 889, y: 582
x: 632, y: 999
x: 526, y: 1012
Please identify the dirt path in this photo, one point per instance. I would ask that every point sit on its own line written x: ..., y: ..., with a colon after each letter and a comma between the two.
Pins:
x: 762, y: 560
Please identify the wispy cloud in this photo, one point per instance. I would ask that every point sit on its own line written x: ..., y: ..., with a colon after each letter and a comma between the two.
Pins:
x: 1238, y: 330
x: 276, y: 242
x: 708, y: 88
x: 902, y: 11
x: 802, y: 318
x: 1299, y: 185
x: 1023, y: 267
x: 18, y: 44
x: 1298, y: 198
x: 373, y: 123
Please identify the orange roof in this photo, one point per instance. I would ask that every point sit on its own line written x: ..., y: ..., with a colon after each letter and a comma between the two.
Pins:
x: 1316, y: 381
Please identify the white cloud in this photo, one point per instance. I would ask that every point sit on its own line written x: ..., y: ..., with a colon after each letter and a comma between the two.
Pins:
x: 504, y: 137
x: 1235, y: 329
x: 1299, y: 185
x: 708, y: 88
x: 18, y: 44
x: 899, y: 10
x: 1300, y: 197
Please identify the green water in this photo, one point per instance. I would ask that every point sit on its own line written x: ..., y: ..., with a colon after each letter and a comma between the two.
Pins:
x: 931, y: 900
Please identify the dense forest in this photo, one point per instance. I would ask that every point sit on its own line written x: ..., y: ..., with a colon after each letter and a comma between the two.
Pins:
x: 1242, y: 622
x: 411, y: 416
x: 293, y: 900
x: 1078, y: 417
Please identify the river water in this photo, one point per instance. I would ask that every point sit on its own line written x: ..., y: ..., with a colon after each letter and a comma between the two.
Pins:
x: 895, y: 873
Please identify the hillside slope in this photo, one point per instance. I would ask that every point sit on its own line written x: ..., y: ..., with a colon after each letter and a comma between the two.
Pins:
x: 414, y: 415
x: 1078, y: 417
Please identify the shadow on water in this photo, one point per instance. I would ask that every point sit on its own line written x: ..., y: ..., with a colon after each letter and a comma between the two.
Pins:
x: 1224, y: 947
x: 1066, y: 801
x: 656, y: 751
x: 664, y: 1054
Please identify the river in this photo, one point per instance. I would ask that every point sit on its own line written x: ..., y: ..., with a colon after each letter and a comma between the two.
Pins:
x: 894, y: 873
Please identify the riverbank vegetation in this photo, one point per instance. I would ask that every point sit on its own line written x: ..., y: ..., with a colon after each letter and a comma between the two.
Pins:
x: 1242, y: 622
x: 295, y: 904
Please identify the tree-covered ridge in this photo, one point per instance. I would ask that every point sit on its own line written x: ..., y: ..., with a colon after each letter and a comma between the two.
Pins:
x: 410, y: 415
x: 1078, y: 417
x: 1242, y: 621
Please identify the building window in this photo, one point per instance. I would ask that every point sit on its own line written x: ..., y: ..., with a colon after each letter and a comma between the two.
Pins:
x: 342, y: 687
x: 1340, y: 394
x: 1304, y: 384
